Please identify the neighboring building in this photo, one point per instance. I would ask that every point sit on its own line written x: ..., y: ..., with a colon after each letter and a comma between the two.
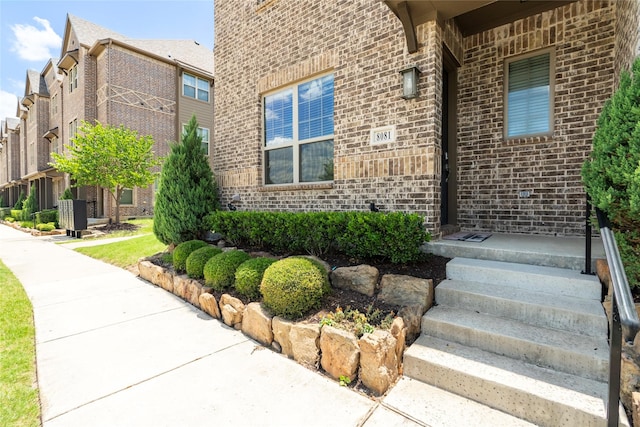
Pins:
x: 310, y: 113
x: 151, y: 86
x: 10, y: 161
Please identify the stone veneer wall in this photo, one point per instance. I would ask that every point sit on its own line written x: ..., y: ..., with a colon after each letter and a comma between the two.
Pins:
x: 260, y: 48
x: 491, y: 170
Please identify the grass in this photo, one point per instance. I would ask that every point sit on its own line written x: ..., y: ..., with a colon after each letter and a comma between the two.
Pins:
x: 19, y: 401
x: 125, y: 253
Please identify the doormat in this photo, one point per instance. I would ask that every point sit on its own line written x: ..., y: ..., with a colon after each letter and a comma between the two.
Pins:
x: 465, y: 236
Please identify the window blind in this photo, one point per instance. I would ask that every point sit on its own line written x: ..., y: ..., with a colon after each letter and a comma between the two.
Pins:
x: 529, y: 94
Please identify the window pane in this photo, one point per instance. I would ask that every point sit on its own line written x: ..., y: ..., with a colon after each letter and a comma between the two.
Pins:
x: 278, y: 118
x: 529, y: 96
x: 316, y: 161
x: 190, y: 91
x: 189, y: 80
x: 203, y: 85
x: 315, y: 102
x: 126, y: 197
x: 203, y: 96
x: 279, y: 166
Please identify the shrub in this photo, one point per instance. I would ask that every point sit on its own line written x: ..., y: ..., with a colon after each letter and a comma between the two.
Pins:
x: 198, y: 258
x: 249, y: 275
x: 293, y: 286
x: 45, y: 226
x: 17, y: 214
x: 5, y: 212
x: 46, y: 216
x: 187, y: 191
x: 67, y: 195
x: 30, y: 205
x: 26, y: 224
x: 611, y: 174
x: 20, y: 201
x: 220, y: 271
x: 182, y: 252
x: 9, y: 219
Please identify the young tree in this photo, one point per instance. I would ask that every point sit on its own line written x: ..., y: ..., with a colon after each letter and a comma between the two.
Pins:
x: 111, y: 157
x: 187, y: 191
x: 30, y: 204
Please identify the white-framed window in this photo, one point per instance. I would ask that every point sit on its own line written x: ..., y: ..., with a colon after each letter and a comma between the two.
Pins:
x: 529, y: 94
x: 298, y: 133
x: 126, y: 197
x: 195, y: 87
x: 73, y: 130
x: 204, y: 134
x: 73, y: 78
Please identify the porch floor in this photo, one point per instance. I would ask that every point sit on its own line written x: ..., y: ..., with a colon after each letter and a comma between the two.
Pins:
x: 563, y: 252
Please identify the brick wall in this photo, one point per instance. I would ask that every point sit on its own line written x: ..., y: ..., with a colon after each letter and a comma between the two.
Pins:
x: 493, y: 171
x: 263, y: 47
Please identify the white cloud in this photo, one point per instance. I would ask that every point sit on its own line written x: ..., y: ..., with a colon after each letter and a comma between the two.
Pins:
x: 269, y: 114
x: 8, y: 104
x: 35, y: 44
x: 314, y: 91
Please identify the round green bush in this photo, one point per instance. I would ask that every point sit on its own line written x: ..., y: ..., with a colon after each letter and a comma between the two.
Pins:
x: 46, y: 226
x: 220, y: 271
x: 198, y: 258
x: 249, y: 275
x: 293, y: 286
x: 182, y: 252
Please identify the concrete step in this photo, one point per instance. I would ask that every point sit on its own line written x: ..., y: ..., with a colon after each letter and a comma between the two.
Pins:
x: 440, y: 408
x: 583, y: 316
x: 541, y: 396
x: 551, y: 280
x: 564, y: 351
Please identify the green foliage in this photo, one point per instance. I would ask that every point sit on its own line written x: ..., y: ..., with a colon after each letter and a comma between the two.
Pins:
x: 220, y: 271
x: 611, y: 174
x: 249, y: 276
x: 26, y: 224
x: 67, y: 195
x: 187, y: 191
x: 9, y: 219
x: 111, y: 157
x: 48, y: 226
x: 30, y: 205
x: 17, y: 214
x: 182, y: 252
x: 293, y: 286
x: 344, y: 380
x: 198, y: 258
x: 358, y: 323
x: 46, y: 216
x: 20, y: 201
x: 395, y: 236
x: 5, y: 212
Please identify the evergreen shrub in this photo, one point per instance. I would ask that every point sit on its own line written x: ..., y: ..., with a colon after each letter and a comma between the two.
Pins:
x: 182, y: 252
x: 220, y: 271
x: 46, y: 216
x: 20, y: 201
x: 67, y: 195
x: 249, y: 275
x: 198, y: 258
x: 49, y: 226
x: 187, y: 191
x: 30, y: 205
x: 611, y: 174
x: 293, y: 286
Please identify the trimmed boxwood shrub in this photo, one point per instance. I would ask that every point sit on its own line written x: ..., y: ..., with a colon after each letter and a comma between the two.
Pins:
x: 182, y: 252
x: 249, y: 275
x: 48, y: 226
x: 220, y: 271
x: 17, y: 214
x: 293, y: 286
x: 198, y: 258
x: 46, y: 216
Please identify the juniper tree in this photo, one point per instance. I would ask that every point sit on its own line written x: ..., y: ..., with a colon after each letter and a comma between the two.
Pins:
x: 187, y: 191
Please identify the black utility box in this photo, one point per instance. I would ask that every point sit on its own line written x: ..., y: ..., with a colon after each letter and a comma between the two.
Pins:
x: 72, y: 216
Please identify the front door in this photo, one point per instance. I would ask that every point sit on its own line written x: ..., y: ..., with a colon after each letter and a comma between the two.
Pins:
x: 448, y: 143
x: 444, y: 145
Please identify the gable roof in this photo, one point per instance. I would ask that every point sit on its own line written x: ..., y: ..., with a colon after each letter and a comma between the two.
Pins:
x: 35, y: 84
x: 87, y: 32
x: 183, y: 52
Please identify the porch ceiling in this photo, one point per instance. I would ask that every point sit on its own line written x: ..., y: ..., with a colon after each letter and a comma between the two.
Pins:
x: 471, y: 16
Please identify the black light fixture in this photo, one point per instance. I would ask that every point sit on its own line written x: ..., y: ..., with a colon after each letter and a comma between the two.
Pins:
x: 373, y: 208
x: 410, y: 82
x: 234, y: 198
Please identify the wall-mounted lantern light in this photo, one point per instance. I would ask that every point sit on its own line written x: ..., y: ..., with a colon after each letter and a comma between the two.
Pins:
x: 410, y: 82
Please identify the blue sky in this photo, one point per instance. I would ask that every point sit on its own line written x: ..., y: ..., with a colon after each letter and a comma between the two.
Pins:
x: 31, y: 31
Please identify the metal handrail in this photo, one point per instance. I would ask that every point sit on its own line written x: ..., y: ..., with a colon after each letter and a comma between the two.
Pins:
x: 623, y: 312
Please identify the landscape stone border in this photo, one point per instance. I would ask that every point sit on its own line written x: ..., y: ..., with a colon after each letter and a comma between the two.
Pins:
x: 375, y: 358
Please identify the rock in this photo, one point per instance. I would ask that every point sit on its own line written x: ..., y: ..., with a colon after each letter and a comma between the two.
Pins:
x: 340, y: 352
x: 231, y: 310
x: 305, y: 346
x: 412, y: 317
x: 635, y: 410
x: 399, y: 332
x: 404, y: 291
x: 212, y: 237
x: 193, y: 291
x: 148, y: 271
x: 281, y: 331
x: 629, y: 379
x: 209, y: 305
x: 360, y: 278
x: 256, y: 323
x: 180, y: 284
x: 378, y: 361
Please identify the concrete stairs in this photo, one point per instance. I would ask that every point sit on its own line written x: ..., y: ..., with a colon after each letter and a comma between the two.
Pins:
x: 528, y: 341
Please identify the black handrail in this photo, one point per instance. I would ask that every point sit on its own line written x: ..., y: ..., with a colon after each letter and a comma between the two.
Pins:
x: 623, y: 312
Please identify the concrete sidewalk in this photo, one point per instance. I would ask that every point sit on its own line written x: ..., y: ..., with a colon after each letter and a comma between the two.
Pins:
x: 114, y: 350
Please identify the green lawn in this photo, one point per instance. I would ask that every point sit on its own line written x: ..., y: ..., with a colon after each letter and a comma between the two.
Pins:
x: 125, y: 253
x: 19, y: 401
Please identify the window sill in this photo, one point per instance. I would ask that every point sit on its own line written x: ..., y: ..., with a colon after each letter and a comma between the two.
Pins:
x: 534, y: 139
x: 296, y: 187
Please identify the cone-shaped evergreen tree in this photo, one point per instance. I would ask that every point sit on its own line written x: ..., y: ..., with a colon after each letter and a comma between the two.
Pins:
x: 187, y: 191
